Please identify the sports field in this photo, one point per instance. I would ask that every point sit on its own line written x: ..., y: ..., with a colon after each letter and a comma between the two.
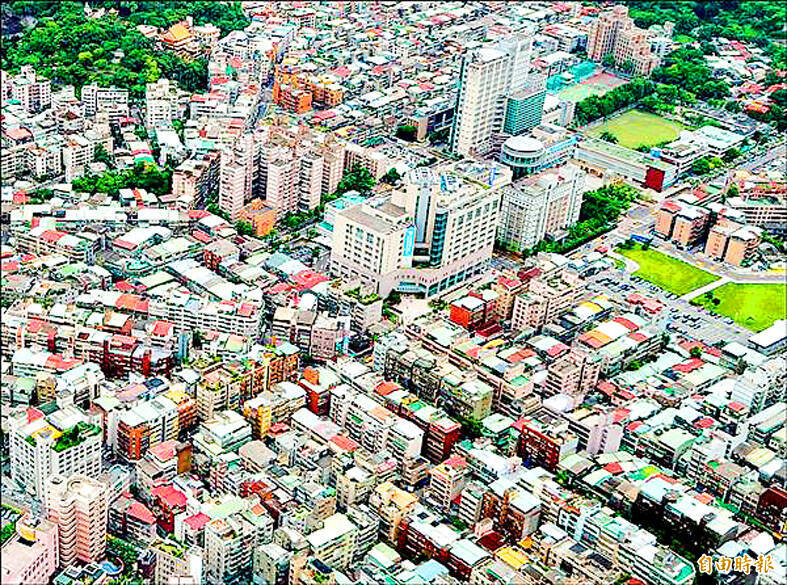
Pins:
x: 669, y: 273
x: 635, y: 128
x: 597, y: 84
x: 754, y: 306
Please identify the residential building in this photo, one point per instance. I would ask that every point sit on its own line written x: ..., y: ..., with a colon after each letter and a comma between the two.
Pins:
x: 78, y: 505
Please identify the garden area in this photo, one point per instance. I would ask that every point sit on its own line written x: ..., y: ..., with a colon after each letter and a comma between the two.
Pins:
x: 754, y: 306
x: 634, y: 129
x: 669, y: 273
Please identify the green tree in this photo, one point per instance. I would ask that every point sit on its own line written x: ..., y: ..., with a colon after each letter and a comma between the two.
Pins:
x: 696, y: 352
x: 608, y: 60
x: 608, y: 136
x: 244, y: 228
x: 391, y: 177
x: 406, y: 132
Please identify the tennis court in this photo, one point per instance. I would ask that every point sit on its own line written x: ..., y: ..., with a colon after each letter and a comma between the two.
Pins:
x: 597, y: 84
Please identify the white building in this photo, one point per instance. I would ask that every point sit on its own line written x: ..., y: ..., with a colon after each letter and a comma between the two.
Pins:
x: 111, y: 101
x: 64, y: 443
x: 488, y: 75
x: 435, y: 234
x: 540, y: 205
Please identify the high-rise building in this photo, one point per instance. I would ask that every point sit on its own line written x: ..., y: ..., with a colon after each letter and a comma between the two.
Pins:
x: 539, y: 206
x: 79, y: 507
x: 236, y: 176
x: 431, y: 236
x: 614, y: 33
x: 488, y: 76
x: 525, y: 108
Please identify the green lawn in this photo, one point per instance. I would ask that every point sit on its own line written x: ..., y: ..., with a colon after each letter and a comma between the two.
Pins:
x: 635, y: 128
x: 669, y: 273
x: 754, y: 306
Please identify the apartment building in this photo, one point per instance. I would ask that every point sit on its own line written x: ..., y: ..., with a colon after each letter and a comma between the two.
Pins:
x: 172, y: 562
x: 230, y: 543
x: 33, y: 92
x: 64, y: 443
x: 545, y: 299
x: 614, y: 33
x: 334, y: 544
x: 109, y: 101
x: 77, y: 154
x: 732, y: 242
x: 446, y: 482
x: 32, y: 553
x: 540, y: 206
x: 235, y: 177
x: 78, y: 505
x: 164, y: 102
x: 392, y: 505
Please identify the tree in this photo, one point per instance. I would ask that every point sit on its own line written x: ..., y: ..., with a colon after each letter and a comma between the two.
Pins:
x: 731, y: 155
x: 701, y: 166
x: 406, y: 132
x: 391, y: 177
x: 608, y: 60
x: 696, y: 352
x: 101, y: 155
x: 608, y: 136
x: 244, y: 228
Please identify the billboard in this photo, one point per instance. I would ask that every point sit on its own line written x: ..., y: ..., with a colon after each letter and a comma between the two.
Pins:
x: 409, y: 241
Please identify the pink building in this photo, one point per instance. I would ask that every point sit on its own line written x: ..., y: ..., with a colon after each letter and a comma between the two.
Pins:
x: 31, y: 555
x: 78, y: 505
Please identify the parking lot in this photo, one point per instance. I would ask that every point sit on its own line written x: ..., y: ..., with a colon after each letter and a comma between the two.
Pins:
x: 679, y: 317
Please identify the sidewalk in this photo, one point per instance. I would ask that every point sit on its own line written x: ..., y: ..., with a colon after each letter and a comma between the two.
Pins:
x: 702, y: 290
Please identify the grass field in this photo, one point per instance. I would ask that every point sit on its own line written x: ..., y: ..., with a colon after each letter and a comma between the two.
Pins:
x: 754, y: 306
x: 669, y: 273
x: 635, y: 128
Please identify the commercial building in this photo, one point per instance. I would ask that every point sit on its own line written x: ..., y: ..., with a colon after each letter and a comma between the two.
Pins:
x: 486, y: 78
x: 65, y: 443
x: 429, y: 237
x: 611, y: 160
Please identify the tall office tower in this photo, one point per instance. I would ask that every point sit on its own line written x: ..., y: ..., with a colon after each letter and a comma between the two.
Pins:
x: 435, y: 234
x: 525, y: 107
x: 237, y: 171
x: 488, y: 75
x: 79, y: 507
x: 540, y: 205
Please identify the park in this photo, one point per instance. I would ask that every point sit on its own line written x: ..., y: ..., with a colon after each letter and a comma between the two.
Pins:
x: 754, y: 306
x: 635, y: 128
x: 664, y: 271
